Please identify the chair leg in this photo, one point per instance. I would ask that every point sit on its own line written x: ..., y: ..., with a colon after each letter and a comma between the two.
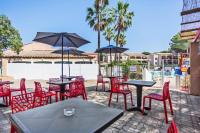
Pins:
x: 131, y: 99
x: 171, y: 107
x: 50, y: 99
x: 117, y: 97
x: 150, y: 103
x: 56, y: 96
x: 4, y: 99
x: 110, y: 98
x: 85, y: 94
x: 125, y: 103
x: 10, y: 100
x: 7, y: 101
x: 165, y: 110
x: 103, y: 85
x: 12, y: 129
x: 127, y: 87
x: 143, y: 104
x: 97, y: 86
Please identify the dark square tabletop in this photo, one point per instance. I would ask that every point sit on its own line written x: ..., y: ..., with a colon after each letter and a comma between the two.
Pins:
x: 65, y: 82
x: 89, y: 117
x: 6, y: 82
x: 69, y: 77
x: 140, y: 83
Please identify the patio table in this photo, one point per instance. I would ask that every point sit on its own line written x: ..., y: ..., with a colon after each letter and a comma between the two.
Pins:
x: 89, y: 117
x: 61, y: 84
x: 139, y: 86
x: 69, y: 77
x: 3, y: 83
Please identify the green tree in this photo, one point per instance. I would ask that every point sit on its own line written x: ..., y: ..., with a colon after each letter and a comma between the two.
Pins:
x: 96, y: 17
x: 146, y: 53
x: 123, y: 19
x: 178, y: 45
x: 109, y: 35
x: 121, y: 39
x: 9, y: 36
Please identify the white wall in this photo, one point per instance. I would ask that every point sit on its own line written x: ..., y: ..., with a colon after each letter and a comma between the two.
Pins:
x: 46, y: 71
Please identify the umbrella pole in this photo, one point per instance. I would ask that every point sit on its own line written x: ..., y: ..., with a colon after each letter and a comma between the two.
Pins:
x: 62, y: 58
x: 111, y: 62
x: 68, y: 63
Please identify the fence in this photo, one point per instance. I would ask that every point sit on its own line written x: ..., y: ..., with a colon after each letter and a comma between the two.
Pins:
x: 46, y: 71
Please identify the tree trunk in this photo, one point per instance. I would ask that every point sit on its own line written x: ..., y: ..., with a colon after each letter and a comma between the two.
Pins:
x: 118, y: 33
x: 117, y: 40
x: 99, y: 44
x: 117, y: 55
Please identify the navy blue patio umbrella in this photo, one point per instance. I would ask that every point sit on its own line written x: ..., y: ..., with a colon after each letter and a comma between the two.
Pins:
x: 62, y: 40
x: 111, y: 49
x: 68, y: 51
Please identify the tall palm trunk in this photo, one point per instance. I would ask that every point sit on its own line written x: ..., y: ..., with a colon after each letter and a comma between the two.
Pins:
x: 117, y: 55
x: 117, y: 40
x: 118, y: 33
x: 99, y: 43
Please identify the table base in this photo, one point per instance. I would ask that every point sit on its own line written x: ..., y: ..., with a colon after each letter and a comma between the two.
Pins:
x: 3, y: 105
x: 137, y: 109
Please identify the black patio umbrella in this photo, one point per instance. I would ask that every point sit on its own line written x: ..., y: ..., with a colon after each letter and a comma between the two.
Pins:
x: 68, y: 51
x: 111, y: 49
x: 62, y: 39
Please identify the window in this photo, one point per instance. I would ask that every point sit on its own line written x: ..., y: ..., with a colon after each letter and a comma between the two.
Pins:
x: 64, y: 62
x: 42, y: 62
x: 26, y: 62
x: 83, y: 62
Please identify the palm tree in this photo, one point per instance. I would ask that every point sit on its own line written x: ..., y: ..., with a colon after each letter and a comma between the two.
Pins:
x: 109, y: 35
x: 123, y: 18
x: 121, y: 39
x: 96, y: 17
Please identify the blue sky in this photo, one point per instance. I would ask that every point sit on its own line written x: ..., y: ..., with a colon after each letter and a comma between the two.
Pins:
x: 154, y: 23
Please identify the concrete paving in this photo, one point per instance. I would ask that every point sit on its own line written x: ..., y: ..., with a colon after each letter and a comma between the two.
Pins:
x: 186, y: 112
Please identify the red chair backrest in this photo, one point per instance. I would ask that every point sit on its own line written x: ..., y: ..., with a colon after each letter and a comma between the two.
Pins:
x: 26, y: 101
x: 6, y: 89
x: 53, y: 87
x: 99, y: 78
x: 23, y: 86
x: 115, y: 87
x: 125, y: 78
x: 172, y: 128
x: 38, y: 88
x: 166, y: 93
x: 77, y: 87
x: 22, y: 102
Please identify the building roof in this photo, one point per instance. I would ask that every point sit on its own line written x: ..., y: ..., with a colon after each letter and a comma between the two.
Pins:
x: 38, y: 50
x: 135, y: 54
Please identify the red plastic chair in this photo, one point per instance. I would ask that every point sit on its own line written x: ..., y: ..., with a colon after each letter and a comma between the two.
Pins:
x: 115, y: 88
x: 76, y: 88
x: 54, y: 88
x: 165, y: 96
x: 125, y: 79
x: 100, y: 80
x: 38, y: 92
x: 5, y: 93
x: 25, y: 102
x: 22, y: 87
x: 172, y: 128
